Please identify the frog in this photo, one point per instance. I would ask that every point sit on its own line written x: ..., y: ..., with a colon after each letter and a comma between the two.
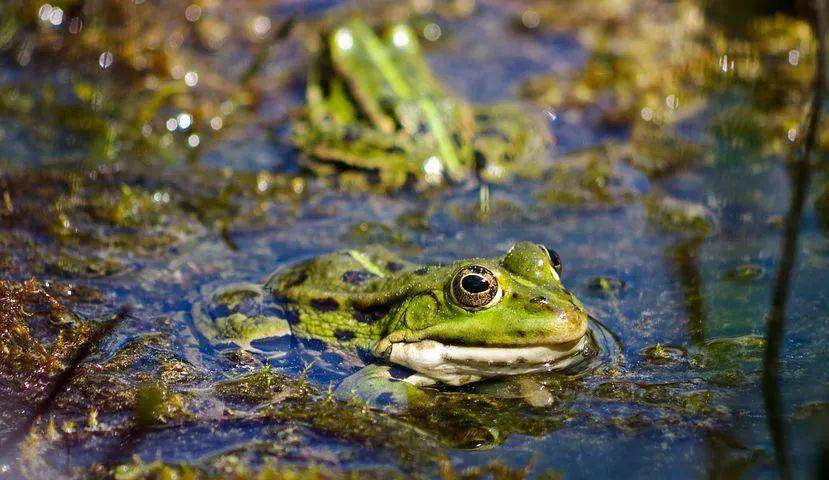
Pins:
x: 373, y: 105
x: 408, y: 326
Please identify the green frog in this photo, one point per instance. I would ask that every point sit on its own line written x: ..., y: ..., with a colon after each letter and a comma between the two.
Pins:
x: 414, y: 325
x: 373, y: 105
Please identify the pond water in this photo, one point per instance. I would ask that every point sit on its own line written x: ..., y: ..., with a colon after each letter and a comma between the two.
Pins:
x: 145, y: 159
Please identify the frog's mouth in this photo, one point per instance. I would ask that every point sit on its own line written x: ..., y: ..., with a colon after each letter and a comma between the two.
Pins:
x: 458, y: 365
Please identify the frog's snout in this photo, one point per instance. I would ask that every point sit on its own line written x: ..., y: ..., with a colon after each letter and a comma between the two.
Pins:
x: 569, y: 322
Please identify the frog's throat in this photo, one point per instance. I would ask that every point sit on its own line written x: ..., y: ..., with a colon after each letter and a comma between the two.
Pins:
x: 458, y: 365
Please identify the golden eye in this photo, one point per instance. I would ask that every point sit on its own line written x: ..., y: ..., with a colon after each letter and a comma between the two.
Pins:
x: 475, y: 288
x: 555, y: 261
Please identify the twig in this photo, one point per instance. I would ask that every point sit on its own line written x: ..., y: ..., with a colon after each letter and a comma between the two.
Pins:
x: 801, y: 176
x: 58, y: 385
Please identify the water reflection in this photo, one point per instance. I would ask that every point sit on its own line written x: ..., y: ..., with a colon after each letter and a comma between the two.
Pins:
x: 686, y: 257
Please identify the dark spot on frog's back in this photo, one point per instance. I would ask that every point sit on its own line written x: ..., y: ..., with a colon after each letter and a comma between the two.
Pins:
x: 352, y: 134
x: 422, y: 271
x: 492, y: 132
x: 344, y: 335
x: 395, y: 149
x: 356, y: 277
x: 370, y: 315
x: 394, y: 266
x: 483, y: 117
x: 324, y: 304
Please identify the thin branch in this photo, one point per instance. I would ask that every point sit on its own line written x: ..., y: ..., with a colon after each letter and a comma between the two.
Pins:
x: 800, y: 178
x: 58, y: 385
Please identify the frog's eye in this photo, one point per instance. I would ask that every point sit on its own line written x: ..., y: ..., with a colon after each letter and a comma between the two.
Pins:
x: 475, y: 288
x: 555, y: 261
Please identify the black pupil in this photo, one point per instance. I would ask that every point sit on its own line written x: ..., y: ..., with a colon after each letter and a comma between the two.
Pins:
x: 475, y: 284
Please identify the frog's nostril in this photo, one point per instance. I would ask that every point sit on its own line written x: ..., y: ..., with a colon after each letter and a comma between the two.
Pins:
x: 539, y: 301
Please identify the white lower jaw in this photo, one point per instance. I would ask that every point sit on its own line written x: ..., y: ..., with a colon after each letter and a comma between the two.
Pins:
x: 456, y: 365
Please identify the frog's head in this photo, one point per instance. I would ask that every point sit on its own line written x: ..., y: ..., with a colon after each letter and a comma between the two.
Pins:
x: 488, y: 317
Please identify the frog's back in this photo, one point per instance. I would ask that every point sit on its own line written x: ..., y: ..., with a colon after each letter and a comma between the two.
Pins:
x: 341, y: 297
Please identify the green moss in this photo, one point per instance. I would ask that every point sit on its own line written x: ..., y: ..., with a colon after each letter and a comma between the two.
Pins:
x: 37, y: 335
x: 658, y: 151
x: 606, y: 285
x: 679, y: 215
x: 156, y: 404
x: 73, y: 265
x: 356, y: 423
x: 619, y: 391
x: 588, y: 177
x: 664, y: 354
x: 131, y: 207
x: 747, y: 272
x: 228, y: 468
x: 262, y: 385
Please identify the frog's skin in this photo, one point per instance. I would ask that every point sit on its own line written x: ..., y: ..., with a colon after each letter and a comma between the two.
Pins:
x: 456, y: 323
x: 373, y: 105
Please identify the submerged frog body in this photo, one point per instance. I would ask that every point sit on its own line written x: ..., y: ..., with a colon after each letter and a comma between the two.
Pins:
x: 373, y: 105
x: 456, y: 323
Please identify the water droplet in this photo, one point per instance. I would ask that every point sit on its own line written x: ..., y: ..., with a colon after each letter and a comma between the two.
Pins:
x: 184, y: 120
x: 400, y: 36
x: 75, y: 25
x: 726, y: 64
x: 431, y: 32
x: 56, y: 16
x: 433, y: 168
x: 343, y: 39
x: 191, y: 78
x: 45, y: 12
x: 647, y: 114
x: 216, y: 123
x: 530, y: 18
x: 794, y: 57
x: 172, y: 124
x: 792, y: 134
x: 192, y: 13
x: 177, y: 72
x: 260, y: 25
x: 106, y: 59
x: 193, y: 141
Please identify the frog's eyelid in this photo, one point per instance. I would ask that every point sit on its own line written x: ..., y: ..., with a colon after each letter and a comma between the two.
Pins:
x: 555, y: 274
